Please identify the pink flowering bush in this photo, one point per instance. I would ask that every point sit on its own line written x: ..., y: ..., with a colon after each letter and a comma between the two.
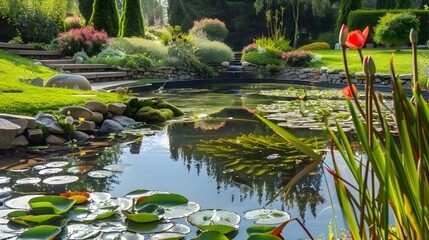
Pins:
x: 297, y: 58
x: 81, y: 39
x: 72, y: 22
x: 250, y: 47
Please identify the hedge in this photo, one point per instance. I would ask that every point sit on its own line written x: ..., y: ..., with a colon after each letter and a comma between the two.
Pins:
x: 359, y: 19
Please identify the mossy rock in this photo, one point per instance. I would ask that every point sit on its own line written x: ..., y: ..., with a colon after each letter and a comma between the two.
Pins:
x: 149, y: 115
x: 177, y: 112
x: 134, y: 105
x: 168, y: 113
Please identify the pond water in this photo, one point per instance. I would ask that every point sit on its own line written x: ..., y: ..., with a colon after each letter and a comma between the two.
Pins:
x: 186, y: 157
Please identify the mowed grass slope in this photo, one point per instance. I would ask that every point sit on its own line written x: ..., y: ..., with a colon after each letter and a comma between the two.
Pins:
x: 18, y: 97
x: 402, y: 61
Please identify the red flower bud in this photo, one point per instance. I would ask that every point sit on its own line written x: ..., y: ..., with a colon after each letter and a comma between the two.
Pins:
x: 343, y: 35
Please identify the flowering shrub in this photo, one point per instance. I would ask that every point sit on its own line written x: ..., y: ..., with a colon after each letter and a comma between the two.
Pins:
x: 214, y: 29
x: 72, y: 22
x: 250, y: 47
x: 81, y: 39
x: 297, y: 58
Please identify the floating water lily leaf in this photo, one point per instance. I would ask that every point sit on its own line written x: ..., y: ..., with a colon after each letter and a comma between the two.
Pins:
x: 267, y: 216
x: 137, y: 193
x: 31, y: 180
x: 4, y: 180
x: 40, y: 232
x: 51, y: 204
x: 213, y: 216
x: 260, y: 236
x: 100, y: 174
x: 148, y: 213
x: 167, y: 236
x: 260, y: 229
x: 147, y: 228
x: 49, y: 171
x: 81, y: 231
x: 39, y: 167
x: 21, y: 217
x: 99, y: 196
x: 60, y: 180
x: 211, y: 235
x: 20, y: 202
x: 122, y: 236
x: 8, y: 232
x: 57, y: 164
x: 77, y: 214
x: 179, y: 228
x: 80, y: 169
x: 181, y: 211
x: 164, y: 200
x: 224, y: 229
x: 117, y: 167
x: 99, y: 215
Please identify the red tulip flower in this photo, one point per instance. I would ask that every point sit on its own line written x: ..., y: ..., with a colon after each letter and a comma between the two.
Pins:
x: 347, y: 91
x: 356, y: 39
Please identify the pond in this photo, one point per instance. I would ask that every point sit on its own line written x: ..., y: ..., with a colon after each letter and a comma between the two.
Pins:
x: 209, y: 156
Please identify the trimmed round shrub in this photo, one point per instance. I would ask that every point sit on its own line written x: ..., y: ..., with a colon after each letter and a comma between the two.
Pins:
x: 213, y: 29
x: 316, y: 46
x: 297, y: 58
x: 395, y: 28
x: 213, y: 52
x: 153, y: 49
x: 72, y: 22
x: 81, y: 39
x: 105, y: 17
x: 263, y: 57
x: 132, y: 24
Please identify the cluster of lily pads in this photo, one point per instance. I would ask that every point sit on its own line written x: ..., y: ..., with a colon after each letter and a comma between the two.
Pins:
x: 140, y: 214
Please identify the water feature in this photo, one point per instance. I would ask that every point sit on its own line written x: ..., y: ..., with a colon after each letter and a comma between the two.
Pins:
x: 177, y: 158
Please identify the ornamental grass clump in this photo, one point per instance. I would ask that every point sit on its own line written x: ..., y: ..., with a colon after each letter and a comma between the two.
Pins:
x: 81, y: 39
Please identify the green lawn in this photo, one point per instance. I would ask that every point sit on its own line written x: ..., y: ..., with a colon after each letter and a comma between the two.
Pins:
x: 333, y: 60
x: 21, y: 98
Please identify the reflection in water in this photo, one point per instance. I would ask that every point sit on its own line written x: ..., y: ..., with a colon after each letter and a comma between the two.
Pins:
x: 184, y: 144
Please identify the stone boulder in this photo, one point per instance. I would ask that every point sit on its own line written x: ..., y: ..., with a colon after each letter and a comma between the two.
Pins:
x: 31, y: 121
x: 68, y: 81
x: 97, y: 117
x: 116, y: 108
x: 108, y: 115
x: 20, y: 122
x: 8, y: 131
x: 124, y: 121
x: 79, y: 136
x: 111, y: 126
x: 77, y: 112
x: 86, y: 126
x: 34, y: 136
x: 55, y: 140
x: 50, y: 122
x: 20, y: 141
x: 96, y: 106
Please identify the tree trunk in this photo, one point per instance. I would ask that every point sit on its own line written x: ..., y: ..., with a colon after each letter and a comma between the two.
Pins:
x: 295, y: 13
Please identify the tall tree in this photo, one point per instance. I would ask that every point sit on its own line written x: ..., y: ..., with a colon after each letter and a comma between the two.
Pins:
x: 346, y: 7
x: 386, y: 4
x: 105, y: 16
x: 318, y: 8
x: 404, y: 4
x: 153, y: 12
x: 85, y: 8
x: 132, y: 24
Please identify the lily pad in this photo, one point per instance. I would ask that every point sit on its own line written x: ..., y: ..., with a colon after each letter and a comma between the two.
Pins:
x: 148, y: 228
x: 81, y: 231
x: 7, y: 231
x: 211, y: 235
x: 167, y: 236
x: 50, y: 171
x: 100, y: 174
x: 260, y: 229
x: 122, y: 236
x: 4, y: 180
x: 213, y: 216
x: 40, y: 232
x: 60, y: 180
x: 267, y: 216
x: 181, y: 211
x: 39, y: 167
x: 164, y: 200
x: 80, y: 169
x: 99, y: 196
x: 148, y: 213
x: 260, y: 236
x: 117, y: 167
x: 57, y: 164
x: 224, y: 229
x: 23, y: 218
x: 20, y: 202
x: 179, y: 228
x: 51, y: 204
x: 31, y: 180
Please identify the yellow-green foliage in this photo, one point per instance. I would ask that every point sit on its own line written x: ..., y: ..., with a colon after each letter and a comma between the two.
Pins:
x: 20, y: 98
x: 154, y: 49
x: 316, y: 46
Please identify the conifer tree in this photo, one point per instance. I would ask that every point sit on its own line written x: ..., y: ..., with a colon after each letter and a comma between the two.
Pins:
x: 132, y: 24
x: 105, y: 16
x: 404, y: 4
x: 85, y: 8
x: 386, y: 4
x: 346, y: 7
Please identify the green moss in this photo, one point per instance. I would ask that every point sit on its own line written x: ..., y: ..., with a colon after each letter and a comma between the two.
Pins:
x: 177, y: 112
x: 167, y: 113
x: 150, y: 115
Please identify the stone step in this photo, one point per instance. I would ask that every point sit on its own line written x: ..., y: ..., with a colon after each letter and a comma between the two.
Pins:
x: 77, y: 67
x: 57, y: 61
x: 15, y: 46
x: 35, y: 53
x: 99, y: 75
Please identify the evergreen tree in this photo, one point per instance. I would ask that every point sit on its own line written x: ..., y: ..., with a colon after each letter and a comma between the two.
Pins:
x: 423, y: 3
x: 105, y: 16
x: 346, y: 7
x: 85, y: 8
x: 132, y: 24
x: 386, y: 4
x: 404, y: 4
